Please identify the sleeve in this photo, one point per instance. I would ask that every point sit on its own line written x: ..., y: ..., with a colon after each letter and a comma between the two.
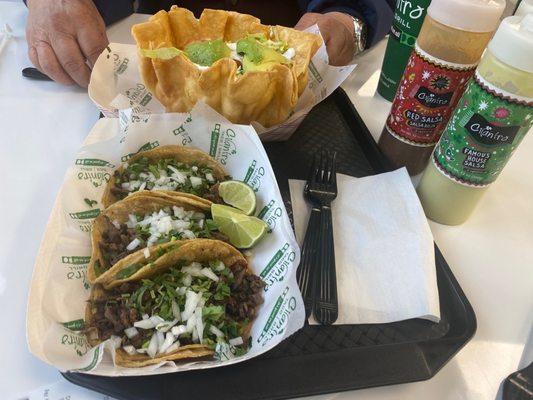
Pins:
x: 377, y: 14
x: 114, y: 10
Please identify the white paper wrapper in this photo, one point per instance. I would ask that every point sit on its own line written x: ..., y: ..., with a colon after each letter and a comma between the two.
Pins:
x: 117, y: 84
x: 59, y: 288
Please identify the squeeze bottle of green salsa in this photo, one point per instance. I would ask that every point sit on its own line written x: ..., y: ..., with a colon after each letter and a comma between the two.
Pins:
x: 491, y: 119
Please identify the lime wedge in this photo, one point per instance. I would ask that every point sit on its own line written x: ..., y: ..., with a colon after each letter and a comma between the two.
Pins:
x: 239, y: 195
x: 243, y: 231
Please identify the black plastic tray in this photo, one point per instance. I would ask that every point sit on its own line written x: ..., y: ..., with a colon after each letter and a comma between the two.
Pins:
x: 322, y: 359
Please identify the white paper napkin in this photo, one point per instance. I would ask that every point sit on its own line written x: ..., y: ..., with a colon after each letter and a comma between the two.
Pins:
x: 384, y: 251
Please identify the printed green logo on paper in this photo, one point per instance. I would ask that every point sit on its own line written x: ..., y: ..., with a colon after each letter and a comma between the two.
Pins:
x: 94, y: 170
x: 271, y: 214
x: 144, y: 147
x: 278, y: 266
x: 76, y: 325
x: 77, y: 268
x: 254, y: 175
x: 277, y: 320
x: 139, y: 94
x: 482, y: 134
x: 84, y: 219
x: 222, y: 145
x: 76, y: 342
x: 182, y: 133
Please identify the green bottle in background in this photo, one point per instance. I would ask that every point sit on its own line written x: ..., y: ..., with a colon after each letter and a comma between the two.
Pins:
x: 406, y: 25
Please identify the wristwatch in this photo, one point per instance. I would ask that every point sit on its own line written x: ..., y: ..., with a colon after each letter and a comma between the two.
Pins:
x: 359, y: 36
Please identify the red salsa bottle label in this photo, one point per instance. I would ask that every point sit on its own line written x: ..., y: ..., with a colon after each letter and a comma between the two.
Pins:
x: 426, y: 97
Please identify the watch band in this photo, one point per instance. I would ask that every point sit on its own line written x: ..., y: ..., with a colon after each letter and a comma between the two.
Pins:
x: 359, y: 36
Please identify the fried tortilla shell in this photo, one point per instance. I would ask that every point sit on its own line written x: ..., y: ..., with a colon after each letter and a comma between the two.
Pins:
x: 138, y: 203
x: 267, y: 97
x: 196, y: 250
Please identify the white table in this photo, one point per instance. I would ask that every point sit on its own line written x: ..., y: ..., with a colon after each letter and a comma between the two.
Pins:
x: 43, y: 124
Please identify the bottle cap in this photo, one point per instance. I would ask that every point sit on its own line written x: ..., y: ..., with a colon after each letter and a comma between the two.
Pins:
x: 468, y: 15
x: 525, y: 7
x: 513, y: 42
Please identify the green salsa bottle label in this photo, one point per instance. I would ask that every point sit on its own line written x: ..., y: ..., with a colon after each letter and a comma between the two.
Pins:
x: 485, y: 129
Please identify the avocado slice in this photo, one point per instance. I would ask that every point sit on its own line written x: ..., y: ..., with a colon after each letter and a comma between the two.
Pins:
x: 207, y: 52
x: 257, y: 56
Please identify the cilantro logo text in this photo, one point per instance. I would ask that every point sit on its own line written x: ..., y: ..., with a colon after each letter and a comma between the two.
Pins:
x: 84, y: 218
x: 254, y: 175
x: 271, y: 214
x: 77, y: 342
x: 222, y: 144
x: 182, y: 133
x: 144, y: 147
x: 277, y: 320
x: 278, y: 266
x: 77, y: 268
x: 94, y: 170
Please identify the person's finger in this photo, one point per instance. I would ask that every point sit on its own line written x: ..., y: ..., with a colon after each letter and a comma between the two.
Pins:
x: 307, y: 20
x: 92, y: 43
x: 34, y: 58
x: 50, y: 64
x: 69, y: 55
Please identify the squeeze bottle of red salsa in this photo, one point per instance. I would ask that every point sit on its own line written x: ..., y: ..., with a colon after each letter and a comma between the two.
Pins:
x: 449, y: 46
x: 491, y: 119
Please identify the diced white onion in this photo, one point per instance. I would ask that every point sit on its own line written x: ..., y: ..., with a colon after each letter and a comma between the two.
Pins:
x: 195, y: 181
x: 194, y: 168
x: 129, y: 349
x: 236, y: 341
x: 133, y: 244
x: 187, y: 280
x: 115, y: 341
x: 176, y: 311
x: 152, y: 346
x: 175, y: 346
x: 156, y: 319
x: 131, y: 332
x: 178, y: 330
x: 215, y: 331
x: 199, y: 324
x: 209, y: 274
x: 146, y: 252
x: 217, y: 265
x: 195, y: 335
x: 160, y: 338
x: 169, y: 339
x: 165, y: 326
x: 209, y: 177
x: 143, y: 186
x: 181, y: 290
x: 144, y: 324
x: 191, y: 301
x: 194, y: 269
x: 187, y: 234
x: 116, y: 224
x: 146, y: 316
x: 191, y: 324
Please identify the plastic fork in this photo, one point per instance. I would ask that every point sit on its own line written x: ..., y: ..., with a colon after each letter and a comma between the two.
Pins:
x: 317, y: 270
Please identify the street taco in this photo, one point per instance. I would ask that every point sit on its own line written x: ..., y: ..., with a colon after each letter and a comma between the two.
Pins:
x: 244, y: 70
x: 191, y: 301
x: 130, y: 233
x: 189, y: 171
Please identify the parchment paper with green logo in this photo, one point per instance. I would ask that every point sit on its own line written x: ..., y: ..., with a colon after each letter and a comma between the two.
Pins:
x: 60, y: 289
x: 116, y: 84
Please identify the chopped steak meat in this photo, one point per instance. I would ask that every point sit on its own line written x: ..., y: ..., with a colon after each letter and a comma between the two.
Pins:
x: 246, y: 293
x: 114, y: 242
x: 212, y: 194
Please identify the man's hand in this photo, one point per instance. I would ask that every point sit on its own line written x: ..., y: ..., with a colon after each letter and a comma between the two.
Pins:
x: 62, y: 35
x: 337, y: 29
